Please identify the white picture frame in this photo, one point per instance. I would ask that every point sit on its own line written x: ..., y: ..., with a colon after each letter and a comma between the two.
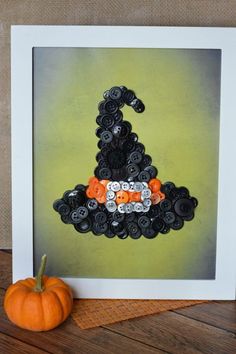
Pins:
x: 23, y: 40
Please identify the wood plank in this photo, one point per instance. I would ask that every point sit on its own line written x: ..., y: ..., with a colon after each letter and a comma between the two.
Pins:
x: 220, y: 314
x: 67, y: 338
x: 177, y: 334
x: 5, y: 269
x: 11, y: 345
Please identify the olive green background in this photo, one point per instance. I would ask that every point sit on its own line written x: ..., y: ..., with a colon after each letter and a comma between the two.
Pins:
x: 179, y: 128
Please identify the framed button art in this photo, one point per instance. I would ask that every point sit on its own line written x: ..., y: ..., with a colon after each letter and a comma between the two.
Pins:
x: 122, y: 145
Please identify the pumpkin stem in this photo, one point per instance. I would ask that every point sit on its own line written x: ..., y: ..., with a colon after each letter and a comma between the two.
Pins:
x: 39, y: 278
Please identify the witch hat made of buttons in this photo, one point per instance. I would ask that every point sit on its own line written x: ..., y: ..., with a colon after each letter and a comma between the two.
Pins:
x: 124, y: 197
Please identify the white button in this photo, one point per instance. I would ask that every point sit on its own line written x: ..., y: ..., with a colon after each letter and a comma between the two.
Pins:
x: 109, y: 186
x: 147, y: 202
x: 138, y: 186
x: 110, y: 195
x: 138, y: 207
x: 121, y: 208
x: 111, y: 206
x: 125, y: 186
x: 145, y: 194
x: 115, y: 186
x: 129, y: 208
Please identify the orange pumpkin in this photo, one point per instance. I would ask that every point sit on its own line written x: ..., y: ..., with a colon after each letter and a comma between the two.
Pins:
x: 38, y: 304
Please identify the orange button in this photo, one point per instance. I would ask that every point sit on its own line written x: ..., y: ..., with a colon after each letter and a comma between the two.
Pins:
x: 92, y: 180
x: 155, y: 185
x: 98, y: 189
x: 101, y: 199
x: 90, y: 193
x: 162, y: 195
x: 134, y: 196
x: 104, y: 182
x: 122, y: 197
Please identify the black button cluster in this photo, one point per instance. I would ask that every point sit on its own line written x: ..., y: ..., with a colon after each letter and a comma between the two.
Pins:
x: 122, y: 157
x: 124, y: 152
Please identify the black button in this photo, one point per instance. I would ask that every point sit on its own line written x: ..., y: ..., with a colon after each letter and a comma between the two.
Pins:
x: 100, y: 217
x: 123, y: 88
x: 107, y: 121
x: 149, y: 232
x: 66, y: 219
x: 132, y: 170
x: 152, y: 170
x: 76, y: 198
x: 99, y: 156
x: 143, y: 221
x: 127, y: 125
x: 109, y: 233
x: 97, y: 171
x: 158, y: 224
x: 154, y: 211
x: 101, y: 144
x: 120, y: 130
x: 183, y: 192
x: 128, y: 145
x: 137, y: 105
x: 99, y: 131
x: 110, y: 106
x: 194, y: 201
x: 134, y: 230
x: 146, y: 161
x: 103, y: 163
x: 167, y: 187
x: 177, y: 224
x: 115, y: 93
x: 139, y: 108
x: 80, y: 187
x: 165, y: 230
x: 123, y: 234
x: 66, y: 195
x: 106, y: 94
x: 99, y: 229
x: 63, y: 209
x: 57, y: 203
x: 135, y: 157
x: 144, y: 176
x: 105, y: 150
x: 104, y: 173
x: 128, y: 96
x: 130, y: 217
x: 84, y: 225
x: 165, y: 205
x: 134, y: 137
x: 75, y: 218
x: 92, y: 204
x: 188, y: 217
x: 82, y: 212
x: 117, y: 116
x: 132, y: 227
x: 106, y: 136
x: 140, y: 148
x: 117, y: 216
x: 169, y: 217
x: 117, y: 227
x: 173, y: 194
x: 98, y: 119
x: 183, y: 207
x: 101, y: 106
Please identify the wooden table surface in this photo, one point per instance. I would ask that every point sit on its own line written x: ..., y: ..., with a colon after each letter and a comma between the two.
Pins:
x: 205, y: 328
